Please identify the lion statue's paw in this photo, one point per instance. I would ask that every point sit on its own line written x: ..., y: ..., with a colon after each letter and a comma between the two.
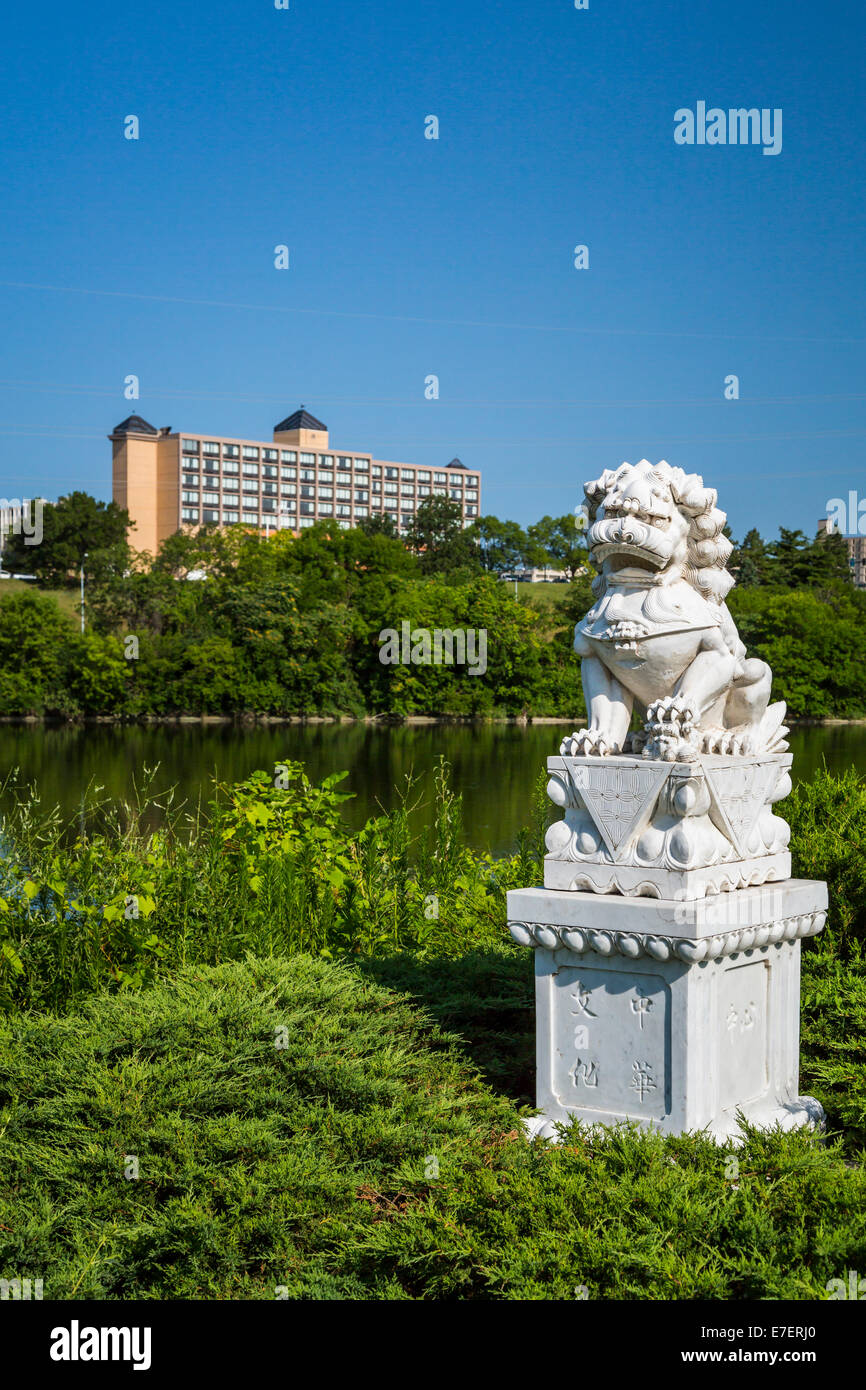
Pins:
x: 671, y: 728
x: 584, y: 742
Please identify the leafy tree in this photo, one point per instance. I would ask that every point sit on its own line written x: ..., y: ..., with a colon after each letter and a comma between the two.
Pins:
x: 71, y: 526
x: 560, y: 543
x: 33, y: 632
x: 502, y: 545
x: 749, y: 562
x: 379, y: 524
x: 438, y: 538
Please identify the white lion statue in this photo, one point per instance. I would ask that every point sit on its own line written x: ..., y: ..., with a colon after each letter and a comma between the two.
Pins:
x: 659, y: 637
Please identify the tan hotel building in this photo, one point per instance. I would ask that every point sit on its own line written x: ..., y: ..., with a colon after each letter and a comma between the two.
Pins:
x: 170, y: 480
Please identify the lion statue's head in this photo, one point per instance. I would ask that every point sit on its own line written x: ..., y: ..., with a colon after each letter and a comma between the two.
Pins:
x: 661, y: 521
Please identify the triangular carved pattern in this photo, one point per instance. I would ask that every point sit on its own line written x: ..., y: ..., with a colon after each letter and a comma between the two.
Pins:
x: 740, y: 793
x: 619, y: 797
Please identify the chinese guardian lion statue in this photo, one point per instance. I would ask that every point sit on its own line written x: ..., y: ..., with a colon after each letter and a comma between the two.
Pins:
x: 659, y: 637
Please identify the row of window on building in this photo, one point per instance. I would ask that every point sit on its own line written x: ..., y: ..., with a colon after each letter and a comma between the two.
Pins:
x: 253, y: 456
x: 287, y: 487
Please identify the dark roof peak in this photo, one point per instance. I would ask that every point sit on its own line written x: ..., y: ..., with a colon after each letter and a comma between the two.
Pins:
x: 134, y: 424
x: 455, y: 463
x: 300, y: 420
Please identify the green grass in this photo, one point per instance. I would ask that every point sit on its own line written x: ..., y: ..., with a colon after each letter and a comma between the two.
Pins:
x: 67, y: 600
x: 311, y: 1167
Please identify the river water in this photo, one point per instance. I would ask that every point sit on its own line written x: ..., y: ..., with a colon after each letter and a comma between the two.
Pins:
x: 494, y: 765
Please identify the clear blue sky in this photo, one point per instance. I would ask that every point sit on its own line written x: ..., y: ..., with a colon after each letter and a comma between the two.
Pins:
x: 454, y: 257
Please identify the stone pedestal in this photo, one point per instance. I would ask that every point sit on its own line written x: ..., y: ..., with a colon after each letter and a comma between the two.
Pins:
x: 672, y: 1013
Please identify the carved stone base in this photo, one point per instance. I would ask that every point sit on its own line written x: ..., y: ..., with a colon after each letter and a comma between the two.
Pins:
x: 634, y: 881
x: 676, y: 1015
x: 658, y: 829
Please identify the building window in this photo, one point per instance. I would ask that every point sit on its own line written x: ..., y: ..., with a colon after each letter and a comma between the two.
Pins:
x: 325, y: 477
x: 189, y: 497
x: 343, y: 511
x: 423, y: 491
x: 288, y: 473
x: 308, y: 475
x: 440, y: 492
x: 268, y: 471
x: 440, y: 478
x: 250, y: 452
x: 189, y: 514
x: 362, y: 465
x: 230, y: 451
x: 375, y: 470
x: 189, y: 446
x: 211, y: 466
x: 375, y: 486
x: 391, y: 487
x: 392, y: 472
x: 326, y: 460
x: 407, y: 490
x: 288, y: 456
x: 190, y: 480
x: 269, y: 488
x: 230, y: 485
x: 307, y: 491
x: 307, y: 508
x: 251, y: 470
x: 344, y: 462
x: 326, y: 508
x: 456, y: 496
x: 308, y: 458
x: 345, y: 479
x: 472, y: 497
x: 288, y: 490
x: 209, y: 517
x: 391, y: 504
x: 269, y: 504
x: 423, y: 476
x: 361, y: 511
x: 211, y: 499
x: 230, y: 467
x: 408, y: 475
x: 471, y: 511
x: 271, y: 454
x: 251, y: 487
x: 361, y: 495
x: 472, y: 481
x: 344, y: 494
x: 326, y: 492
x: 306, y: 521
x: 251, y: 504
x: 229, y: 518
x: 209, y: 447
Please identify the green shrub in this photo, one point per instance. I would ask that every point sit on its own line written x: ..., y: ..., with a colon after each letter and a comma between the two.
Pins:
x: 295, y: 1127
x: 828, y: 841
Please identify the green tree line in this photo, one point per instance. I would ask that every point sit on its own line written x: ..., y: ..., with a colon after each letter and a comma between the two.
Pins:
x: 292, y: 625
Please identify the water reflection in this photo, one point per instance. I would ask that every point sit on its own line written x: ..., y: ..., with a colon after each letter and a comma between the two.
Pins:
x: 495, y: 765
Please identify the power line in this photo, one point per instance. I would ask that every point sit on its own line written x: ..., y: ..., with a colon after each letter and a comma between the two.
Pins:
x: 420, y: 319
